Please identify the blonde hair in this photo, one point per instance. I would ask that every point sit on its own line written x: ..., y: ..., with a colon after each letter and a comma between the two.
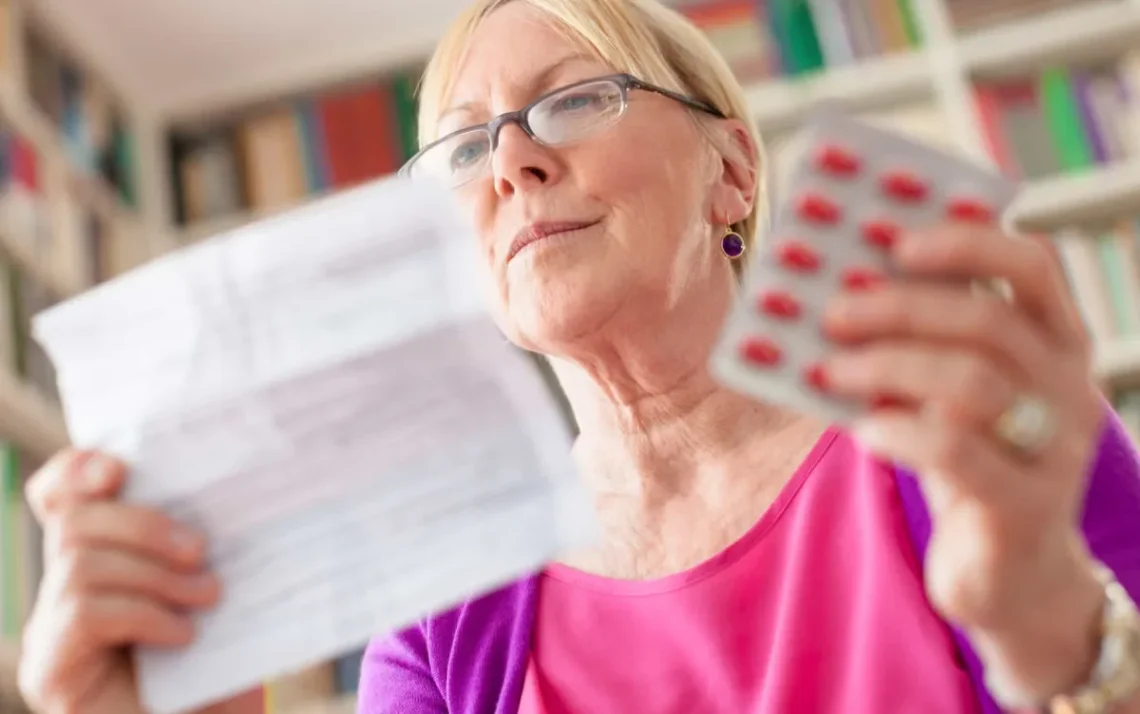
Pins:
x: 641, y: 37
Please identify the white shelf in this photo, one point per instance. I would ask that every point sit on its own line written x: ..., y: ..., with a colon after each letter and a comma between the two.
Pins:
x: 1078, y: 199
x: 1101, y: 29
x: 780, y: 104
x: 27, y: 418
x: 19, y: 252
x: 1119, y: 360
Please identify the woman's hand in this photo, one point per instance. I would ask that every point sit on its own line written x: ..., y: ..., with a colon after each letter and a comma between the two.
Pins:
x: 116, y: 575
x: 945, y: 360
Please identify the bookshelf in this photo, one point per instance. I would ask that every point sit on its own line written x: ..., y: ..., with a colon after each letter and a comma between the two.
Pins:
x: 69, y: 219
x: 777, y: 105
x: 928, y: 73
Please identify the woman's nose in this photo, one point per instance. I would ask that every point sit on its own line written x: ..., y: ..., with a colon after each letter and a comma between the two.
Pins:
x: 519, y: 163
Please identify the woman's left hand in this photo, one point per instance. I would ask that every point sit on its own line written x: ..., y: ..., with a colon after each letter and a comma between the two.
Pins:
x: 946, y: 360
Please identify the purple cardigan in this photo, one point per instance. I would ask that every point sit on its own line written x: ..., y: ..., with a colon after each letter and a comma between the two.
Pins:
x: 472, y: 660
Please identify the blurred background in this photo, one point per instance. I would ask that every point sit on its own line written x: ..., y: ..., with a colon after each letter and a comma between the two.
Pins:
x: 129, y: 128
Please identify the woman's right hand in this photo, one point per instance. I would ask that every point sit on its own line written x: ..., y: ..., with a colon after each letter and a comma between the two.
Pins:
x: 115, y: 575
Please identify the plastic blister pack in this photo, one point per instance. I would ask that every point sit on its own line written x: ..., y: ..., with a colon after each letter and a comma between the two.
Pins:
x: 853, y: 192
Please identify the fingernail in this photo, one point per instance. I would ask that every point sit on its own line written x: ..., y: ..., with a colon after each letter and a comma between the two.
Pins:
x: 96, y: 473
x: 185, y: 540
x: 205, y: 583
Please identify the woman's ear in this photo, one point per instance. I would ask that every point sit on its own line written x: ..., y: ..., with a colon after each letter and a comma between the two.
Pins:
x: 739, y: 176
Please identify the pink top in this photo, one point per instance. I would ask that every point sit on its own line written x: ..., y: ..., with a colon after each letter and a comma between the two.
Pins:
x: 818, y: 608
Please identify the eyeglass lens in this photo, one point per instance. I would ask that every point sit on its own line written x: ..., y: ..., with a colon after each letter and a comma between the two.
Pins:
x: 561, y: 118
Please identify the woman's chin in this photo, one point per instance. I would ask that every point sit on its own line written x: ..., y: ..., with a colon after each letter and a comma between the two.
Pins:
x: 545, y: 325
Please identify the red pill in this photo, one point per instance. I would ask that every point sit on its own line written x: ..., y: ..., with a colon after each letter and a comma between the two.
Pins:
x: 881, y: 234
x: 761, y: 351
x: 969, y: 210
x: 904, y: 186
x: 816, y: 208
x: 799, y: 257
x: 781, y: 305
x: 816, y: 377
x: 837, y: 161
x: 857, y: 278
x: 887, y: 401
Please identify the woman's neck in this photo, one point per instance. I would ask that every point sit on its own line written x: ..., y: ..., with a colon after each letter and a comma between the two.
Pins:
x: 678, y: 468
x: 668, y: 439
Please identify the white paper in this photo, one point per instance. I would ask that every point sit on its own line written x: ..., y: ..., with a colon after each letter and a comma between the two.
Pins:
x: 322, y: 394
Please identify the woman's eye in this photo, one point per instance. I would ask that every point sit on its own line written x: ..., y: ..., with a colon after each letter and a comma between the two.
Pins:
x: 466, y: 154
x: 575, y: 102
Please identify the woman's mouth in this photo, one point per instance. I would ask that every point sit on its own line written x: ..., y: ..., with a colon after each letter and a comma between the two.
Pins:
x: 542, y: 230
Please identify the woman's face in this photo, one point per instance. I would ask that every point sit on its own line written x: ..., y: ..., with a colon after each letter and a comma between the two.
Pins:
x: 647, y: 189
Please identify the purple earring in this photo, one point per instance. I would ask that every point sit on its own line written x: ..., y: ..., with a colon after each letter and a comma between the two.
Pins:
x: 732, y: 244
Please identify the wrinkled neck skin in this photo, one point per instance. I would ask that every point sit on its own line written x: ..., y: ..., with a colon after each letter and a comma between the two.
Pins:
x: 678, y: 466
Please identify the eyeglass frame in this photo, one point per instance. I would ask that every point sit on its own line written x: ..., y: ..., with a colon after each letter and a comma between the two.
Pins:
x: 625, y: 83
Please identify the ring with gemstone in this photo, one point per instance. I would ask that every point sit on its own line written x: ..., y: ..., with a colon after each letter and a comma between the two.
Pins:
x: 1027, y: 424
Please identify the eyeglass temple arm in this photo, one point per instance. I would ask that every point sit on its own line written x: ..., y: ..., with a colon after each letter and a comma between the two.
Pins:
x: 677, y: 96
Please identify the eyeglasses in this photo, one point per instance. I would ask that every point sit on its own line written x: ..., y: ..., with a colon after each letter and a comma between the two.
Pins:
x: 558, y: 118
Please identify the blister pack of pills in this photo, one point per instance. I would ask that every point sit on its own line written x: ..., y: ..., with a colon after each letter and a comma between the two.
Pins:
x: 854, y: 191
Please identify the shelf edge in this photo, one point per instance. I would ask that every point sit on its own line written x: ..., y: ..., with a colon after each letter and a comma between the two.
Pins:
x: 29, y: 419
x: 1078, y: 199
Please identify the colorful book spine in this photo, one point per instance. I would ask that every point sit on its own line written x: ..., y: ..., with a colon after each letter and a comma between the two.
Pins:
x: 793, y: 25
x: 1080, y: 88
x: 313, y: 143
x: 404, y: 89
x: 831, y: 19
x: 910, y: 22
x: 1063, y: 117
x: 1120, y: 278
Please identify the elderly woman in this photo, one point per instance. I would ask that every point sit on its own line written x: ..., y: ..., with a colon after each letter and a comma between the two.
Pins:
x: 929, y: 559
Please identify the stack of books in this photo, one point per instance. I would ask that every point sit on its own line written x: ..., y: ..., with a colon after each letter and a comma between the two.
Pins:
x: 771, y: 38
x: 277, y: 157
x: 90, y: 120
x: 1063, y: 119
